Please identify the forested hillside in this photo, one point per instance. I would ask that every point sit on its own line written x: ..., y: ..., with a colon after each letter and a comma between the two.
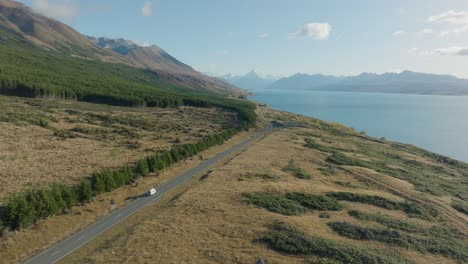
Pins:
x: 33, y: 73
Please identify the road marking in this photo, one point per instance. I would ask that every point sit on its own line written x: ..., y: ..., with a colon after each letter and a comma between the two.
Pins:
x: 81, y: 237
x: 102, y: 225
x: 119, y: 215
x: 55, y: 253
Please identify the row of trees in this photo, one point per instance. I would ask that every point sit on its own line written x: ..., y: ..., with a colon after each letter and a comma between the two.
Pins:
x: 26, y: 208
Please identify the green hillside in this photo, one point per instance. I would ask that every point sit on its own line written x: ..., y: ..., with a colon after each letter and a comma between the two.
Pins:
x: 31, y: 72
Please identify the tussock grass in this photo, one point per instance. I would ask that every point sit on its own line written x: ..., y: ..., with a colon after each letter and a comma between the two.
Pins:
x: 412, y: 209
x: 312, y: 144
x: 287, y: 239
x: 435, y: 245
x: 461, y: 207
x: 341, y: 159
x: 388, y: 221
x: 297, y: 171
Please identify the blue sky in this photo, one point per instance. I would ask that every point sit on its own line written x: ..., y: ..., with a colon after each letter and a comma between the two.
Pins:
x: 282, y: 37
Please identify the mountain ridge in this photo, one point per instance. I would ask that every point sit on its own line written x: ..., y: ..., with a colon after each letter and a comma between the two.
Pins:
x: 20, y: 25
x: 405, y: 82
x: 251, y: 80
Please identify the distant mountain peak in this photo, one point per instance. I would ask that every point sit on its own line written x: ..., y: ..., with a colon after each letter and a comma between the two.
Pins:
x: 251, y: 80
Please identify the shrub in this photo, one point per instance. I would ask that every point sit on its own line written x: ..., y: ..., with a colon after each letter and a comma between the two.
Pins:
x: 311, y: 143
x: 367, y: 199
x: 286, y: 239
x: 387, y: 221
x: 341, y: 159
x: 412, y: 209
x: 439, y: 246
x: 462, y: 208
x: 275, y: 203
x: 315, y: 202
x: 297, y: 171
x: 43, y: 123
x: 325, y: 215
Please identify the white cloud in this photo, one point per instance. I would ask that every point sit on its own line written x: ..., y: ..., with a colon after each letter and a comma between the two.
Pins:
x: 318, y: 31
x: 264, y: 35
x: 458, y: 19
x: 55, y: 8
x: 413, y: 50
x: 451, y: 17
x: 444, y: 33
x: 399, y: 33
x: 460, y: 51
x: 147, y: 9
x: 425, y: 31
x: 450, y: 51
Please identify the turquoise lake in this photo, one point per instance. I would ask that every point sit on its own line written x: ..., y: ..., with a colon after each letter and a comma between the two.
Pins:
x: 436, y: 123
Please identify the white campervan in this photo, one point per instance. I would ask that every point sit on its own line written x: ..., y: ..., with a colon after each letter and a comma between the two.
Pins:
x: 152, y: 191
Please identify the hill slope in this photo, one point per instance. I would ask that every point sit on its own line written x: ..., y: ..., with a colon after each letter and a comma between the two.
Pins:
x: 164, y: 65
x: 32, y: 29
x: 21, y: 25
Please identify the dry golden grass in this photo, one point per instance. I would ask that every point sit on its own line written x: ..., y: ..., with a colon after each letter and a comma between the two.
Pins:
x: 210, y: 222
x: 20, y: 245
x: 81, y: 138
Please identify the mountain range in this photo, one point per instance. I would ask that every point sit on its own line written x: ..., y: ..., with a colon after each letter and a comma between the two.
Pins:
x: 19, y: 25
x: 406, y: 82
x: 251, y: 80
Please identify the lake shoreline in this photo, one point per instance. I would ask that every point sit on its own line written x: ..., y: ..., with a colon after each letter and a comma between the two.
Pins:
x: 431, y: 121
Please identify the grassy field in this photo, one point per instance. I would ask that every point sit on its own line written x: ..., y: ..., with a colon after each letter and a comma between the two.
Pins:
x: 250, y: 208
x: 46, y: 141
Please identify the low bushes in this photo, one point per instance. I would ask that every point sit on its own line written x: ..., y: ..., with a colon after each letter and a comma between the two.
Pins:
x: 294, y: 203
x: 435, y: 245
x: 341, y: 159
x: 367, y: 199
x: 287, y: 239
x: 315, y: 202
x: 297, y: 171
x: 412, y: 209
x: 275, y: 203
x: 312, y: 144
x: 462, y: 208
x: 26, y: 208
x: 387, y: 221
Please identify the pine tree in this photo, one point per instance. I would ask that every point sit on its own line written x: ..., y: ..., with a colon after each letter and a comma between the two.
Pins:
x: 99, y: 183
x: 20, y: 213
x: 85, y: 191
x: 142, y: 167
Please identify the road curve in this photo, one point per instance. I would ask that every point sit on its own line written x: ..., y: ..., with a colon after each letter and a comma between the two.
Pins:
x: 67, y: 246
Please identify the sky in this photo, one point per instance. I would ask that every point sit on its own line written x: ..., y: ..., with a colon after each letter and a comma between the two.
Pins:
x: 283, y: 37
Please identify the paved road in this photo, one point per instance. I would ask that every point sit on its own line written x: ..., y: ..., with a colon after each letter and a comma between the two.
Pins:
x: 74, y: 242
